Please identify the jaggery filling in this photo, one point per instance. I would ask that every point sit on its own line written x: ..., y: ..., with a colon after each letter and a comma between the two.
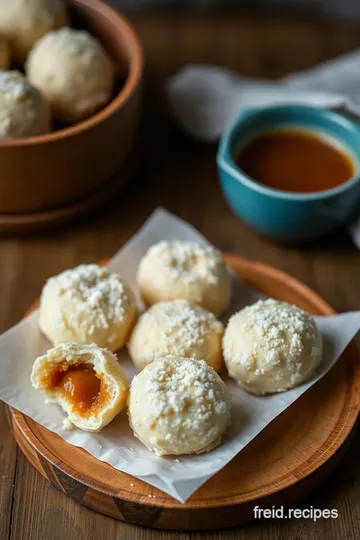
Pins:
x: 80, y: 385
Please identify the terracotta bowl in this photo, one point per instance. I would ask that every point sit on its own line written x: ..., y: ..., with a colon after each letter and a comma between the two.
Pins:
x: 51, y: 170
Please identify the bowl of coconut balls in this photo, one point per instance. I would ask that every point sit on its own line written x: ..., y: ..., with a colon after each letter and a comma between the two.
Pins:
x: 70, y: 92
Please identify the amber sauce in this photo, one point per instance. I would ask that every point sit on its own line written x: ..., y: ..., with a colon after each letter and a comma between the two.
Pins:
x: 81, y: 386
x: 295, y: 161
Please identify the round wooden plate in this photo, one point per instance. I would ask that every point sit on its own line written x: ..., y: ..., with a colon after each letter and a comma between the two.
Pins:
x: 288, y: 459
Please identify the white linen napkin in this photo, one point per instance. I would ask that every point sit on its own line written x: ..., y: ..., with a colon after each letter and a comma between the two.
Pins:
x: 204, y: 99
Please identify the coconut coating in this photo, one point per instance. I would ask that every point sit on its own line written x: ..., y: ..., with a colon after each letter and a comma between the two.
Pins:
x: 271, y: 346
x: 176, y: 329
x: 88, y: 304
x: 179, y: 406
x: 185, y: 270
x: 24, y: 22
x: 73, y: 71
x: 23, y: 110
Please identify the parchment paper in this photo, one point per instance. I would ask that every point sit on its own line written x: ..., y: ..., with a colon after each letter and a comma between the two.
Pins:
x: 116, y: 444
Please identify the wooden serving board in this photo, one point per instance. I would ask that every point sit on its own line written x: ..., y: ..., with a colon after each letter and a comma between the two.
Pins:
x: 281, y: 465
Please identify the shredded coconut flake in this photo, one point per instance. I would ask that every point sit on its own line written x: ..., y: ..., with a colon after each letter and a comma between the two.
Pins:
x: 184, y: 395
x: 182, y: 327
x: 78, y: 43
x: 189, y: 261
x: 273, y: 340
x: 14, y: 86
x: 98, y: 297
x: 18, y: 99
x: 276, y: 324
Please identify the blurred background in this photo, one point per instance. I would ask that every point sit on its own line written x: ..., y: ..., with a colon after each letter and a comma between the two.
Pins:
x: 340, y: 8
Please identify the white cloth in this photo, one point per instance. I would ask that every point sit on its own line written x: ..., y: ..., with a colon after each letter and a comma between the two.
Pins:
x: 204, y: 99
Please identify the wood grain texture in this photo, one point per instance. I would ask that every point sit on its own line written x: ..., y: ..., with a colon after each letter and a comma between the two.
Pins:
x: 286, y: 461
x: 185, y: 181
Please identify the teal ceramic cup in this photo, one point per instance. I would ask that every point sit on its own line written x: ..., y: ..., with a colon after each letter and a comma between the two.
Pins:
x: 284, y: 215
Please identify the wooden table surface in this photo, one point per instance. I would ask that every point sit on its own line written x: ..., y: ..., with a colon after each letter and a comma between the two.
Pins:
x: 179, y: 174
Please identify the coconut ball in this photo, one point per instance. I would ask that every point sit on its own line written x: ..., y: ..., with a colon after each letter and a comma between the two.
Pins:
x: 88, y: 304
x: 85, y: 380
x: 24, y: 22
x: 23, y: 110
x: 73, y: 71
x: 179, y: 406
x: 176, y: 329
x: 271, y: 346
x: 186, y: 270
x: 4, y: 54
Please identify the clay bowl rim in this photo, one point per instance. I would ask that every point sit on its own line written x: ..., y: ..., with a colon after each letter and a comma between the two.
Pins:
x: 132, y: 82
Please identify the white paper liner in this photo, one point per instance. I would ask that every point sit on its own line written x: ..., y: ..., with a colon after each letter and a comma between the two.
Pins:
x: 116, y: 444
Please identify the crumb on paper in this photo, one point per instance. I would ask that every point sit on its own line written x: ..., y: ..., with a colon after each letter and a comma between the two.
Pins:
x: 131, y: 449
x: 67, y: 425
x: 177, y: 460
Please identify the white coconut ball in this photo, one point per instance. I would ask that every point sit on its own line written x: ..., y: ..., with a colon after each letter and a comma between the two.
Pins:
x: 23, y: 110
x: 176, y: 329
x: 87, y: 304
x: 73, y: 71
x: 271, y: 346
x: 185, y: 270
x: 179, y: 406
x: 24, y: 22
x: 85, y: 380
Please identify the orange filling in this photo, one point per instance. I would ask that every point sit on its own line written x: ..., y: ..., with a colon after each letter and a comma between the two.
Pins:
x: 80, y: 385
